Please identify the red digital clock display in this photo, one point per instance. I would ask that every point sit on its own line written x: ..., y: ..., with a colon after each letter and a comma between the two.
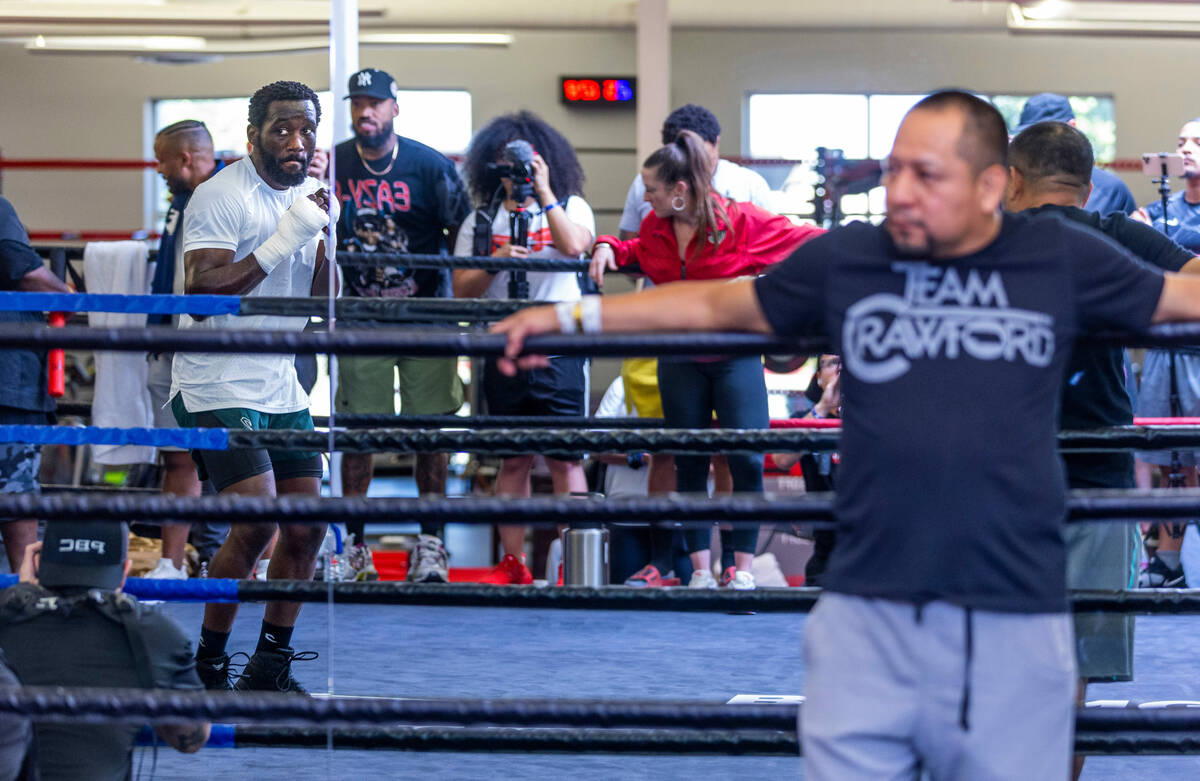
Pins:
x: 597, y: 91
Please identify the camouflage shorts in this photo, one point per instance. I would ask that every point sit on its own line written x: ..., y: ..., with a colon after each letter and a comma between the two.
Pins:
x: 19, y: 466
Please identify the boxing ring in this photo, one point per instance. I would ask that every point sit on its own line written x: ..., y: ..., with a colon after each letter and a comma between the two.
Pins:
x: 371, y: 718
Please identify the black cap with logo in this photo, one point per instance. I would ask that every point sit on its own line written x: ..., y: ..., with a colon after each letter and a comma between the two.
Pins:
x: 91, y: 555
x: 372, y: 83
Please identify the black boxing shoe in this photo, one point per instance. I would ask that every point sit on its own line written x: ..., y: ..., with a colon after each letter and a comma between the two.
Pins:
x: 271, y: 671
x: 215, y: 673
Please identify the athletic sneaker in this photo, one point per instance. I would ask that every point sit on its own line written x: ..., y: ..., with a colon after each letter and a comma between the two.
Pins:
x: 360, y: 565
x: 1159, y: 575
x: 511, y: 571
x: 271, y: 671
x: 741, y: 580
x: 166, y: 570
x: 647, y: 577
x: 702, y: 578
x: 216, y: 674
x: 427, y: 562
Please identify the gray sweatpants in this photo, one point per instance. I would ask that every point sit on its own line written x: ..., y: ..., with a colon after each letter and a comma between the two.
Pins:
x: 886, y: 690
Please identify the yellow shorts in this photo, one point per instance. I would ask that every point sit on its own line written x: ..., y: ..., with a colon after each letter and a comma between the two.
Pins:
x: 640, y: 376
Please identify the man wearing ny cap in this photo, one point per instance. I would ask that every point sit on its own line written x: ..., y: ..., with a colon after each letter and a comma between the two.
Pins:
x: 68, y: 624
x: 1109, y: 193
x: 408, y: 198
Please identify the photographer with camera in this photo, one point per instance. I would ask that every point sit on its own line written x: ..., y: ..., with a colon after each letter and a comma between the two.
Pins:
x: 527, y: 181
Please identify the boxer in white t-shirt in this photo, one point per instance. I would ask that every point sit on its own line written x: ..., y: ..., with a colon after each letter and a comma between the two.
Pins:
x: 256, y: 229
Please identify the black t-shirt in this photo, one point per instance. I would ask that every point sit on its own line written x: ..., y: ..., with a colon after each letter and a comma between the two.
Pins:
x: 950, y: 485
x: 85, y: 648
x: 1094, y: 393
x: 24, y: 371
x: 403, y: 210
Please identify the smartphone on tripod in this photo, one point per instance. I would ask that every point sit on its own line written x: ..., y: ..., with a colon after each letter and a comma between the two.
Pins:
x: 1153, y: 162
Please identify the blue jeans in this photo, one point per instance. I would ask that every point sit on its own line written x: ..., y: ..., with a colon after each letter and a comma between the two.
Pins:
x: 735, y: 389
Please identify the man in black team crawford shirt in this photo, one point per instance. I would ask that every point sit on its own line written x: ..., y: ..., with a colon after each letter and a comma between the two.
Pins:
x: 943, y: 641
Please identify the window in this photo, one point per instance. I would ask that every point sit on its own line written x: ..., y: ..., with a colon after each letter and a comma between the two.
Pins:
x: 439, y: 118
x: 792, y: 125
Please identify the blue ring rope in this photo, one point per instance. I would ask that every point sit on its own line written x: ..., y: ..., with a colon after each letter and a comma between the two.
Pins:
x: 191, y: 590
x: 183, y: 438
x: 14, y: 301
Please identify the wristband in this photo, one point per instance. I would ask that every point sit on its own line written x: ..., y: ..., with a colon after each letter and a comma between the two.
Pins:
x: 546, y: 209
x: 589, y: 315
x: 816, y: 414
x: 565, y: 312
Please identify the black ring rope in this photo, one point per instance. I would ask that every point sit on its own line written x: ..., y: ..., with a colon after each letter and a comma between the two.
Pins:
x: 433, y: 343
x: 568, y: 443
x: 599, y: 725
x: 594, y: 741
x: 363, y: 420
x: 441, y: 343
x: 350, y: 259
x: 761, y: 600
x: 528, y: 740
x: 813, y: 510
x: 140, y: 705
x: 563, y: 443
x: 399, y: 310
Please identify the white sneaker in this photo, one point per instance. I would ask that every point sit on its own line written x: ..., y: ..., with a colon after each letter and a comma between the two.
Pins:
x: 166, y: 570
x: 702, y: 578
x: 742, y: 581
x: 427, y: 562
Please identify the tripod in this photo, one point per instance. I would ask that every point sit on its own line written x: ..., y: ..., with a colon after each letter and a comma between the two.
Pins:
x: 1175, y: 477
x: 518, y: 226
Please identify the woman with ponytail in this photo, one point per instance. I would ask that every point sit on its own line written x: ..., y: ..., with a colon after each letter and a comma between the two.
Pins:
x: 694, y: 233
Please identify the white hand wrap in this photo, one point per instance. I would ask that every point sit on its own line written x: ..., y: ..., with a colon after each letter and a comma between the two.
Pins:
x: 298, y: 225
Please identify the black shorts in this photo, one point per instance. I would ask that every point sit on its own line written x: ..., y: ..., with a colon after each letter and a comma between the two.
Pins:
x: 226, y: 467
x: 558, y: 389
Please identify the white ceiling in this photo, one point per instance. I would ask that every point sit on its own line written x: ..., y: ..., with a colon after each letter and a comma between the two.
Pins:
x: 249, y: 20
x: 262, y: 18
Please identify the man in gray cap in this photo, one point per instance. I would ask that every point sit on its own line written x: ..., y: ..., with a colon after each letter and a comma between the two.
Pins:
x: 1109, y: 193
x: 68, y: 624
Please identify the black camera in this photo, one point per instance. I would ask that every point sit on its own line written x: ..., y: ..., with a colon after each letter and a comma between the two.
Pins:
x: 517, y: 166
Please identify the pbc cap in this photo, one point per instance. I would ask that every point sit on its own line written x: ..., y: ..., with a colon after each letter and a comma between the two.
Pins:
x: 91, y: 555
x: 373, y: 83
x: 1045, y: 107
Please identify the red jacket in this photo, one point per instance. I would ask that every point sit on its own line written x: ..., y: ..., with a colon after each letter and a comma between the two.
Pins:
x: 759, y: 240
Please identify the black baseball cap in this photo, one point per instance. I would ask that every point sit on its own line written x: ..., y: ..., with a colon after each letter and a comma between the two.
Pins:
x: 1045, y: 107
x: 373, y: 83
x: 91, y: 555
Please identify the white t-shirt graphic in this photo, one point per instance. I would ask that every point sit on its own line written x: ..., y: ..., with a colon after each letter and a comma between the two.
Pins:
x: 543, y: 285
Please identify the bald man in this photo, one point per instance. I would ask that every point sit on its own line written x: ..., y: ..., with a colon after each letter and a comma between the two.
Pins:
x: 942, y: 640
x: 184, y: 152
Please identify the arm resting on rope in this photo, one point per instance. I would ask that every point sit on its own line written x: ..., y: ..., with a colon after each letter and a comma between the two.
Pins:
x: 711, y: 305
x: 1180, y: 298
x: 42, y: 280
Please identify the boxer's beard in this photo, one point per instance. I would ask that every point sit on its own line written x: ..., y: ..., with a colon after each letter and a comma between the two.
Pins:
x: 275, y: 169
